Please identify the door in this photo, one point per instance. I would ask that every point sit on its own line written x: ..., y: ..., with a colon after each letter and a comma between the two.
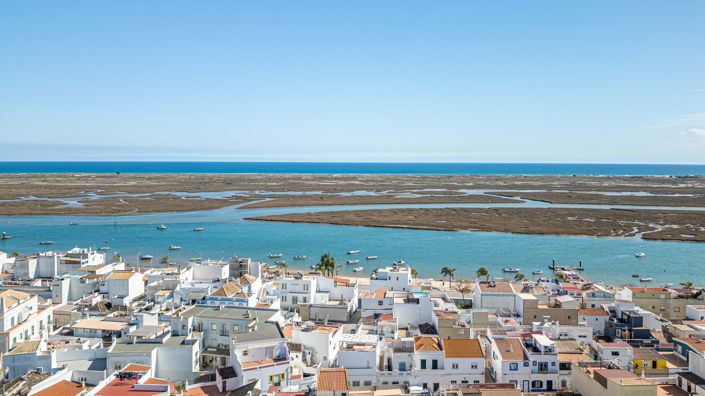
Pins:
x: 549, y: 385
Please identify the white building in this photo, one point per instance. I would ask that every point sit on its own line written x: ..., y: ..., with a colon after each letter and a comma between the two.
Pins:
x: 122, y: 287
x: 596, y: 318
x: 319, y: 343
x: 22, y: 319
x: 394, y: 278
x: 494, y: 295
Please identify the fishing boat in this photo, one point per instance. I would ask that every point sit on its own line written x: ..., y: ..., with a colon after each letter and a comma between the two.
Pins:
x: 146, y: 257
x: 174, y: 247
x: 400, y: 262
x: 73, y: 223
x: 371, y: 257
x: 276, y: 255
x: 46, y: 242
x: 104, y: 248
x: 353, y: 251
x: 511, y: 270
x: 538, y: 272
x: 161, y: 227
x: 300, y: 258
x: 646, y: 280
x: 636, y: 276
x: 640, y: 255
x: 352, y: 261
x: 358, y: 269
x: 198, y: 229
x: 5, y: 237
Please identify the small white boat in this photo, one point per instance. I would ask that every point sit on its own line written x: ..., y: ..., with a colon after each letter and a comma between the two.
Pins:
x: 539, y: 272
x: 198, y: 229
x: 511, y: 270
x: 73, y: 223
x: 372, y: 257
x: 646, y: 280
x: 174, y: 247
x: 358, y: 269
x: 146, y: 257
x: 400, y: 262
x: 640, y: 255
x: 352, y: 261
x: 353, y: 251
x: 300, y: 258
x: 46, y: 242
x: 276, y: 255
x: 5, y: 237
x: 104, y: 248
x: 161, y: 227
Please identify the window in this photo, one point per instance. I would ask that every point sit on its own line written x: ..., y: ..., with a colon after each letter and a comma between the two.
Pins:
x: 245, y: 352
x: 615, y: 353
x: 236, y: 328
x: 283, y: 286
x: 473, y: 366
x: 380, y: 302
x: 513, y: 366
x: 214, y: 326
x: 537, y: 384
x: 305, y: 286
x: 356, y: 383
x: 434, y: 364
x: 676, y: 309
x: 283, y: 298
x: 305, y: 299
x: 368, y: 383
x: 423, y: 364
x: 455, y: 366
x: 526, y: 364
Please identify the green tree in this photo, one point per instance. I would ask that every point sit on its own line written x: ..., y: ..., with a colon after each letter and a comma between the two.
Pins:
x: 283, y: 265
x: 164, y: 260
x: 117, y: 257
x: 688, y: 285
x: 519, y: 277
x: 463, y: 287
x: 483, y: 272
x: 449, y: 272
x: 327, y: 264
x: 15, y: 254
x: 414, y: 273
x: 561, y: 275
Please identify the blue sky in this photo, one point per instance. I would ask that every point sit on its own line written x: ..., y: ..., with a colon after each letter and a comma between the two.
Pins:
x: 537, y: 81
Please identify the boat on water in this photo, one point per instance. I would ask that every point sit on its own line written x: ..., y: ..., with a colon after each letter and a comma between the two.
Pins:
x: 352, y: 261
x: 280, y: 262
x: 174, y: 247
x: 276, y: 255
x: 73, y: 223
x: 199, y: 229
x: 538, y: 272
x: 400, y: 262
x: 353, y: 251
x: 646, y: 280
x: 300, y: 258
x: 46, y: 242
x: 5, y: 236
x: 146, y: 257
x: 358, y: 269
x: 372, y: 257
x: 511, y: 270
x: 103, y: 248
x: 640, y: 255
x: 161, y: 227
x: 636, y: 276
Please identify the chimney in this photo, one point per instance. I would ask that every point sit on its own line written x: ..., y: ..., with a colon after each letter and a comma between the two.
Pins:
x: 510, y: 348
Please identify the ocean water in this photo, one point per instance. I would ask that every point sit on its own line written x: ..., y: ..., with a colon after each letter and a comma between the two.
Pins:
x: 352, y: 168
x: 227, y: 234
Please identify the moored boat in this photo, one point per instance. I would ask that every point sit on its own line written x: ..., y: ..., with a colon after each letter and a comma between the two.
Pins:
x: 104, y: 248
x: 353, y: 251
x: 146, y: 257
x: 174, y: 247
x: 352, y: 261
x: 198, y: 229
x: 5, y: 236
x: 636, y: 276
x: 276, y: 255
x: 46, y: 242
x: 640, y: 255
x: 372, y: 257
x: 300, y: 258
x: 646, y: 280
x: 161, y: 227
x: 511, y: 270
x: 358, y: 269
x: 400, y: 262
x: 537, y: 272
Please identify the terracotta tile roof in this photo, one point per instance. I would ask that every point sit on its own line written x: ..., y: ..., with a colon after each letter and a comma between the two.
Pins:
x: 208, y: 390
x: 124, y: 387
x: 427, y: 344
x: 386, y: 316
x: 658, y: 290
x: 247, y: 279
x: 288, y: 330
x: 510, y: 348
x: 592, y: 312
x: 380, y: 293
x: 333, y: 379
x: 135, y: 368
x: 62, y: 388
x: 697, y: 345
x: 340, y: 279
x: 228, y: 290
x: 462, y: 348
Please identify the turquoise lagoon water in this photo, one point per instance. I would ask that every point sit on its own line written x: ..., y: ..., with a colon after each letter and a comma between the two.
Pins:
x: 227, y: 234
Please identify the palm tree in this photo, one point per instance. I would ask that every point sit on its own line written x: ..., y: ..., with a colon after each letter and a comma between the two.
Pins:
x: 327, y: 264
x: 448, y: 271
x: 15, y: 254
x: 117, y: 257
x: 483, y: 271
x: 164, y: 260
x: 688, y: 285
x: 463, y: 288
x: 414, y: 273
x: 561, y: 275
x: 519, y: 277
x: 283, y: 265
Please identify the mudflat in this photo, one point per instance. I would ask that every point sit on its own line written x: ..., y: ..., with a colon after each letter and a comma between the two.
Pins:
x: 649, y: 224
x: 122, y: 194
